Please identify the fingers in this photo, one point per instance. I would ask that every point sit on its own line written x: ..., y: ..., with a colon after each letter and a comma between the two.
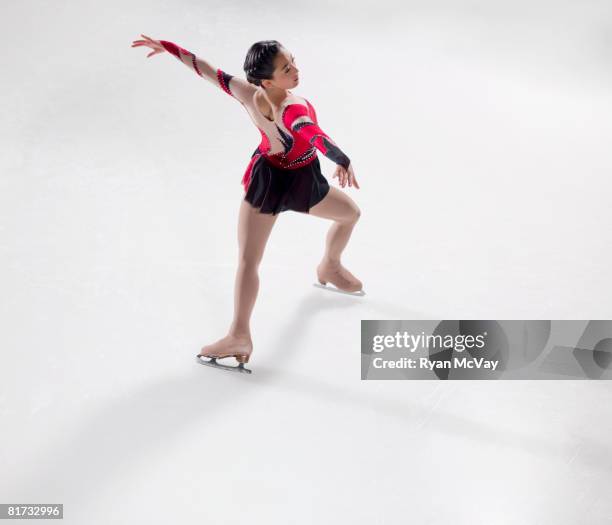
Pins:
x: 352, y: 179
x: 141, y: 42
x: 153, y: 42
x: 345, y: 176
x: 138, y: 43
x: 148, y: 41
x: 338, y: 173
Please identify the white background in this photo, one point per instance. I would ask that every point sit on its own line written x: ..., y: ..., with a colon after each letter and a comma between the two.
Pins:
x: 480, y: 135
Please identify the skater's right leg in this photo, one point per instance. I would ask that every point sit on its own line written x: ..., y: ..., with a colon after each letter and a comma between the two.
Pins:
x: 254, y: 229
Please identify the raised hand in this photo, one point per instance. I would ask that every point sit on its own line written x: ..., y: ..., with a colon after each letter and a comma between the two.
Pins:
x: 155, y: 45
x: 345, y: 175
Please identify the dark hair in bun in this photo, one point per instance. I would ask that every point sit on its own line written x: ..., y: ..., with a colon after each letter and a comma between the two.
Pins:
x: 259, y: 62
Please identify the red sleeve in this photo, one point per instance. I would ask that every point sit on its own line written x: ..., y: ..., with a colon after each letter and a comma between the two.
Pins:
x: 236, y: 87
x: 296, y: 118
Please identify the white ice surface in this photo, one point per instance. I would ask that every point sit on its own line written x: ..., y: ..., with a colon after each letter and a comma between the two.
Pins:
x: 480, y: 135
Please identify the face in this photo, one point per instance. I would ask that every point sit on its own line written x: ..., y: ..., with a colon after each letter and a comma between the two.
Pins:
x: 286, y: 73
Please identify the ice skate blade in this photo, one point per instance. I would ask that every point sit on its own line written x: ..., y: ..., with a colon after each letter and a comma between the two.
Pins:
x: 212, y: 361
x: 360, y: 293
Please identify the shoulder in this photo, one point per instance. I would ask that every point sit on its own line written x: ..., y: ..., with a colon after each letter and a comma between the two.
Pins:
x: 297, y: 100
x: 235, y: 86
x: 294, y: 108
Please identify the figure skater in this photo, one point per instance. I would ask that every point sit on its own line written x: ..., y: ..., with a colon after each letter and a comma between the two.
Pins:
x: 283, y: 174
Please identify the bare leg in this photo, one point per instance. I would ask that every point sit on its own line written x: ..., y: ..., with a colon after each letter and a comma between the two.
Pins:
x: 340, y: 208
x: 254, y: 229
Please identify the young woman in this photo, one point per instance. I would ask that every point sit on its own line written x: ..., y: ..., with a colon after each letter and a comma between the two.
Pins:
x: 283, y: 174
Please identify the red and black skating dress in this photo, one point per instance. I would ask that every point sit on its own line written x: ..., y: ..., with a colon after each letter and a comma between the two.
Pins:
x: 284, y: 172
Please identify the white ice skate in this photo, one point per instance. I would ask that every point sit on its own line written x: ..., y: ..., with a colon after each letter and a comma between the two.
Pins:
x: 212, y: 361
x: 359, y: 293
x: 220, y: 350
x: 343, y: 280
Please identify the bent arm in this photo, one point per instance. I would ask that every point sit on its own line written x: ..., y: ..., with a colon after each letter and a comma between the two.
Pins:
x: 297, y: 119
x: 234, y: 86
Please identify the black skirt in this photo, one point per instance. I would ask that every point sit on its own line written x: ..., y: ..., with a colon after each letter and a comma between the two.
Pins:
x: 274, y: 190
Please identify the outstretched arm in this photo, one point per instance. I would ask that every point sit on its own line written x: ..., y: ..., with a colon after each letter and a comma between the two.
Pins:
x: 297, y: 119
x: 234, y: 86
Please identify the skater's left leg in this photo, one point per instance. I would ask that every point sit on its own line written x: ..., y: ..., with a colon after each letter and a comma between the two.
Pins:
x: 345, y: 213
